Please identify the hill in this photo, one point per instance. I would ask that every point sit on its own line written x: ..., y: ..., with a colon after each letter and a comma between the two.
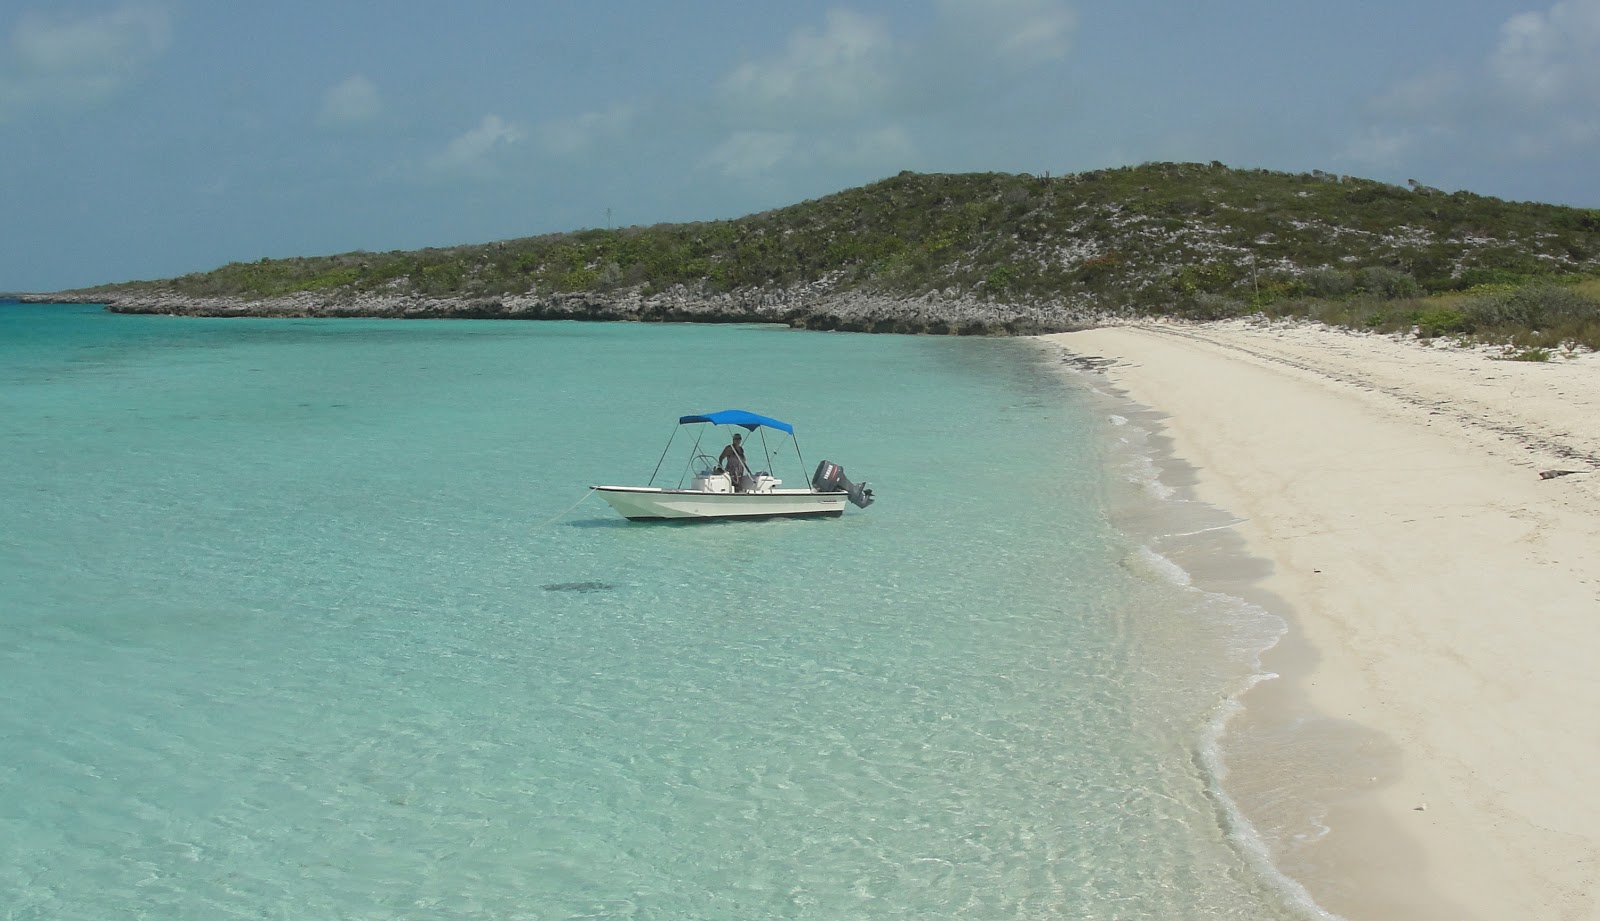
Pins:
x: 977, y: 253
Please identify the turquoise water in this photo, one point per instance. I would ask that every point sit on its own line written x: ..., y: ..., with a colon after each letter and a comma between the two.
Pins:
x: 298, y: 620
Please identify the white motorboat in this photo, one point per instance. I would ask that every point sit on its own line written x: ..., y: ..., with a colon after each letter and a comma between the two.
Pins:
x: 715, y: 490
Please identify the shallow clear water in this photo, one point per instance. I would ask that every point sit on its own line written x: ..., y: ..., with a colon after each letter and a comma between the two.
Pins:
x: 298, y: 619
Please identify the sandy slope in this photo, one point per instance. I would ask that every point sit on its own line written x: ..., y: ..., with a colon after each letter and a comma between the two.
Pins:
x: 1441, y: 592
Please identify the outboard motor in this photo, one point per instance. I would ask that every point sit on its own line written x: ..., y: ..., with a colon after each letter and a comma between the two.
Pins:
x: 830, y: 478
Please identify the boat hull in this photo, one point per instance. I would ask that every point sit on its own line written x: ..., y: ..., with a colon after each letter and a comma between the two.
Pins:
x: 643, y: 503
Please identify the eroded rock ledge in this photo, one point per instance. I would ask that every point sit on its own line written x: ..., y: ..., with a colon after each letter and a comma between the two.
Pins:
x: 940, y: 313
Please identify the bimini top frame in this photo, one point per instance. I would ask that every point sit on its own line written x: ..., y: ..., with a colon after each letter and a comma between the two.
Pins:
x: 740, y: 417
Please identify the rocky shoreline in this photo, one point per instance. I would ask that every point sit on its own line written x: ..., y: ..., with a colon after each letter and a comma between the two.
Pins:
x: 936, y: 313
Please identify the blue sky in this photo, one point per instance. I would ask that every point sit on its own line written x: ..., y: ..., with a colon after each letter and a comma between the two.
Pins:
x: 149, y: 138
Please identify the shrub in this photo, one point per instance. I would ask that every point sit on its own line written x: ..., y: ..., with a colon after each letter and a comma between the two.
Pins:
x: 1442, y: 321
x: 1530, y: 307
x: 1388, y: 283
x: 1535, y: 354
x: 1206, y: 306
x: 1483, y: 276
x: 1326, y: 282
x: 998, y: 281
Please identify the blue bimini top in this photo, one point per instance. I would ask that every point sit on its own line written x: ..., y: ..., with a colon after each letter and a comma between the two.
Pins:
x: 740, y: 417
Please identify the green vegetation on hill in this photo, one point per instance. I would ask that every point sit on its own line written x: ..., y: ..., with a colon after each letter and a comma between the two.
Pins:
x: 1190, y: 240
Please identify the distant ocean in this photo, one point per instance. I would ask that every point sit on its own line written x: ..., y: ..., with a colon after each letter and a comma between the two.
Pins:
x: 311, y: 619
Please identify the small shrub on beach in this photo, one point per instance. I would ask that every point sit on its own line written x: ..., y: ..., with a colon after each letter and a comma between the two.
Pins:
x: 1527, y: 355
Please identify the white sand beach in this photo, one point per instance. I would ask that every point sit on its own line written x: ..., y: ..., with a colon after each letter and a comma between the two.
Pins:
x: 1443, y: 598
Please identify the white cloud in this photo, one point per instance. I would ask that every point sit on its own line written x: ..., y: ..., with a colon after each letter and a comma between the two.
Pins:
x: 840, y: 93
x: 833, y: 73
x: 874, y: 147
x: 71, y: 62
x: 1554, y: 137
x: 568, y: 137
x: 1424, y: 95
x: 1536, y: 96
x: 474, y: 152
x: 352, y: 101
x: 1553, y: 56
x: 748, y: 154
x: 1015, y: 31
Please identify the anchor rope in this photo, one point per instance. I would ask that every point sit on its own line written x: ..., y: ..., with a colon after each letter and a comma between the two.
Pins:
x: 568, y: 508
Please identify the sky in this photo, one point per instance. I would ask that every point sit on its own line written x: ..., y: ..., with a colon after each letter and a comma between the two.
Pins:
x: 151, y: 138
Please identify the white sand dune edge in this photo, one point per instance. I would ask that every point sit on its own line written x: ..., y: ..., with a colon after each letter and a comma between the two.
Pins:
x: 1450, y: 595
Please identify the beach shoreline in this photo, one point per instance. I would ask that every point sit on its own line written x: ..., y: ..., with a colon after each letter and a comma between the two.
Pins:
x: 1442, y: 601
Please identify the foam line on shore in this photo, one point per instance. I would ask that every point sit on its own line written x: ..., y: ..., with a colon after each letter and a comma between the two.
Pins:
x: 1256, y: 631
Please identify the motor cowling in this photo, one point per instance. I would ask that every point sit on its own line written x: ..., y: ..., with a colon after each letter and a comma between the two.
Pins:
x: 830, y: 478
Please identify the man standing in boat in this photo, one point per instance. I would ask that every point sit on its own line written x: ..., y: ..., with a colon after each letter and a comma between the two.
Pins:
x: 732, y: 460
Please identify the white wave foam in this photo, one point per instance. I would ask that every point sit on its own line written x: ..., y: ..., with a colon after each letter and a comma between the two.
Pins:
x: 1142, y: 470
x: 1165, y: 568
x: 1268, y: 630
x: 1259, y: 631
x: 1240, y: 832
x: 1217, y: 527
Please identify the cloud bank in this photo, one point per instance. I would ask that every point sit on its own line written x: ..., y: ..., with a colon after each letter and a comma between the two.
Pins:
x: 850, y: 92
x: 477, y: 151
x: 1536, y: 96
x: 59, y: 63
